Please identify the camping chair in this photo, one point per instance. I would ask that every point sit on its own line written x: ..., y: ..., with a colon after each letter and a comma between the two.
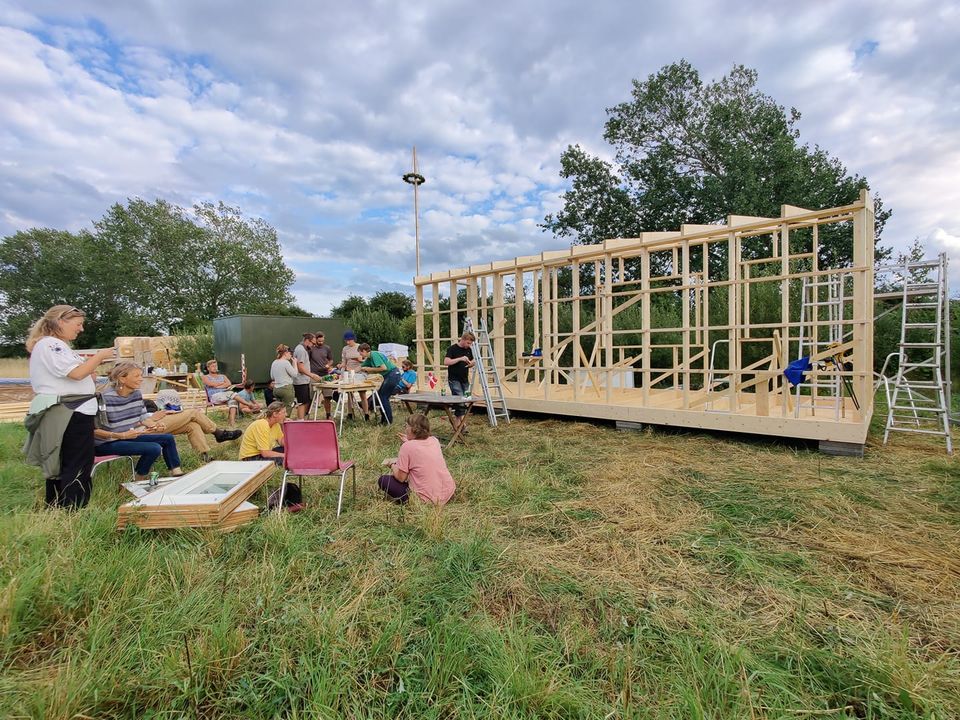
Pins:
x: 203, y: 401
x: 311, y: 448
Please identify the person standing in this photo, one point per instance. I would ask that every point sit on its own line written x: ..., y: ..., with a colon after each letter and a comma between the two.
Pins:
x: 282, y: 373
x: 376, y: 362
x: 301, y: 383
x: 321, y: 362
x: 459, y: 360
x: 61, y: 417
x: 350, y: 362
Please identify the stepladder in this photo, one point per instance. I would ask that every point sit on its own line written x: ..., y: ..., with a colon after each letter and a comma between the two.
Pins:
x: 486, y: 374
x: 920, y: 401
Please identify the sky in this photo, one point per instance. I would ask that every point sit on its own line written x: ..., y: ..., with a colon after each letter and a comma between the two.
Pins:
x: 304, y: 113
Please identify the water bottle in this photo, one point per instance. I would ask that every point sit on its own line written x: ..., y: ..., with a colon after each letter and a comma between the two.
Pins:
x: 154, y: 476
x: 443, y: 390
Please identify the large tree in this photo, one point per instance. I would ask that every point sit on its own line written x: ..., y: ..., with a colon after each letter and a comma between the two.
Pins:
x: 146, y: 268
x: 693, y: 152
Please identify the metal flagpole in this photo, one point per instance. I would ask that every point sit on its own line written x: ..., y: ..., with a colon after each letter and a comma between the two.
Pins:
x: 416, y: 179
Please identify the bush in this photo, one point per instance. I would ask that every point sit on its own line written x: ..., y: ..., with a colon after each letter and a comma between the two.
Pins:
x: 375, y: 326
x: 195, y: 346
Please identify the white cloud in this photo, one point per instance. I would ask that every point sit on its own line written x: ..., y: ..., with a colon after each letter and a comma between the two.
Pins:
x: 307, y: 117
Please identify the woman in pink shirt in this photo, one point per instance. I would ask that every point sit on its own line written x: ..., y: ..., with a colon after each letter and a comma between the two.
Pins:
x: 420, y: 466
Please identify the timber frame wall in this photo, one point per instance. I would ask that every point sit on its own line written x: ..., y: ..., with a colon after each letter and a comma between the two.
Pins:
x: 690, y: 328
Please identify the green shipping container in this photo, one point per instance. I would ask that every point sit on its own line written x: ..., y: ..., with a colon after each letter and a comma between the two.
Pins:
x: 256, y: 338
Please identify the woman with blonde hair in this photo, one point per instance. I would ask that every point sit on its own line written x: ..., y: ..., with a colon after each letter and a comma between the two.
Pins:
x: 420, y: 466
x: 61, y: 417
x: 130, y: 429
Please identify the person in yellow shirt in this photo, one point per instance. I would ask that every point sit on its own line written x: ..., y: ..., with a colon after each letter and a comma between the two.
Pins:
x: 263, y: 438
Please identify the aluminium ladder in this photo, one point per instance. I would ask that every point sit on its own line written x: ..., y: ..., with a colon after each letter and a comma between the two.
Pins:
x: 821, y: 327
x: 485, y: 368
x: 920, y: 401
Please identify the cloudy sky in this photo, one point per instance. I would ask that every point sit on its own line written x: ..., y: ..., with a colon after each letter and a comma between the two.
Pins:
x: 304, y: 113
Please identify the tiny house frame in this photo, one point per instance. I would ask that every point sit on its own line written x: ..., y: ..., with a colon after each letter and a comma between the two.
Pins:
x: 692, y: 328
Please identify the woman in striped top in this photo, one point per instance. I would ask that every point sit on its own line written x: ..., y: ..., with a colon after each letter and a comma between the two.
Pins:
x: 130, y: 430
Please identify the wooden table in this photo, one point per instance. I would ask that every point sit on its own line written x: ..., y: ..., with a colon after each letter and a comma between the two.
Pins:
x: 428, y: 400
x: 346, y: 390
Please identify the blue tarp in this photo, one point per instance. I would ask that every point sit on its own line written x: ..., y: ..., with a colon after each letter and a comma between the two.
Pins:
x: 796, y: 369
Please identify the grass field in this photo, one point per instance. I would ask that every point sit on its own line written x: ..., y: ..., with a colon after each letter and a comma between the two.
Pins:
x: 578, y: 573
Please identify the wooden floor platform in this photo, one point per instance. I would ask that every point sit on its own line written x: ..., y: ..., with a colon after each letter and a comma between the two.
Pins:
x: 666, y: 407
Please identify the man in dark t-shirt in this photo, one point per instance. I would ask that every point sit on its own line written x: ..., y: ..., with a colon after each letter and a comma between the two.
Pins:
x: 321, y: 362
x: 459, y: 360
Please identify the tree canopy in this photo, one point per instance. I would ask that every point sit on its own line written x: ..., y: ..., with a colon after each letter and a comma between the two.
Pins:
x: 396, y: 304
x: 145, y: 268
x: 687, y: 151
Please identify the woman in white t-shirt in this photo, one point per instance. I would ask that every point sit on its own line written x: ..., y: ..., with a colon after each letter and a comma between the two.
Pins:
x: 57, y: 370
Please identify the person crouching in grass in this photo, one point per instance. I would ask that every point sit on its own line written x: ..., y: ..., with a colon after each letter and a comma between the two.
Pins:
x: 263, y: 438
x: 420, y: 466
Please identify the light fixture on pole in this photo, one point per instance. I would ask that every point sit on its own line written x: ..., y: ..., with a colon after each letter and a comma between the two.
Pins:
x: 416, y: 179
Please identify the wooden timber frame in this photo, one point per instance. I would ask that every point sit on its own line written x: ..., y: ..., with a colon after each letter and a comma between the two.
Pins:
x: 691, y: 328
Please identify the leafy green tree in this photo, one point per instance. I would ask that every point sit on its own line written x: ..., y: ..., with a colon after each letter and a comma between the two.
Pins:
x: 693, y: 152
x: 375, y: 326
x: 40, y: 268
x: 147, y: 268
x: 349, y: 306
x: 397, y: 304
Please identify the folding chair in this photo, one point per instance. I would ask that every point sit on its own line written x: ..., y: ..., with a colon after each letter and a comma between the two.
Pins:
x: 99, y: 460
x: 311, y: 448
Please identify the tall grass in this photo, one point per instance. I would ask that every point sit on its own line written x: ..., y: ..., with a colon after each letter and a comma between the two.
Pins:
x: 578, y: 573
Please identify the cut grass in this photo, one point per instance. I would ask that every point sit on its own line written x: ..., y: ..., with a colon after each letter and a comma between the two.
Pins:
x: 578, y: 573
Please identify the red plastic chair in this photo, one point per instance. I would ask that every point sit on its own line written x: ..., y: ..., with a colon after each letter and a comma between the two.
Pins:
x: 311, y: 448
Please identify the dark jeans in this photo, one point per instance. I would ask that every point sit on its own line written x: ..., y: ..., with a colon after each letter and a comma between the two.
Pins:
x: 458, y: 387
x: 148, y: 447
x: 277, y: 461
x: 72, y: 487
x: 386, y: 389
x: 395, y: 490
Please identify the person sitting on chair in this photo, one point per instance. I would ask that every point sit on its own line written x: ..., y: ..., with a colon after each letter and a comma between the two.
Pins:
x: 129, y: 429
x: 263, y: 438
x: 193, y: 423
x: 220, y: 391
x: 420, y: 465
x: 408, y: 379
